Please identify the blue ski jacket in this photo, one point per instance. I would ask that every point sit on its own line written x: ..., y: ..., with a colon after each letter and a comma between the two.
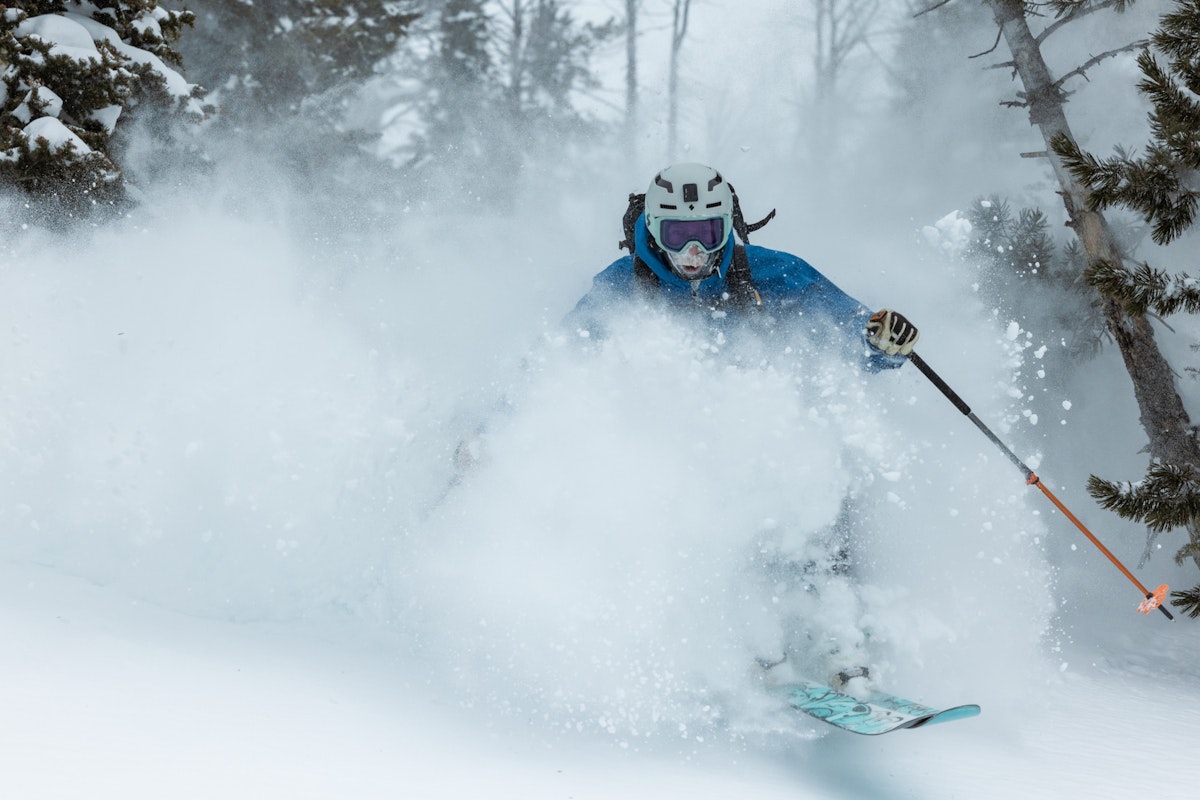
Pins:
x: 790, y: 289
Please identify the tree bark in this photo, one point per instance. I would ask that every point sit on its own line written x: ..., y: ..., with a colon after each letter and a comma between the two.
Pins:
x: 678, y: 32
x: 516, y: 58
x: 631, y: 81
x: 1163, y: 417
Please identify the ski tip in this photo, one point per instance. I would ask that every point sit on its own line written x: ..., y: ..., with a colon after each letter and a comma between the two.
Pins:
x: 958, y: 712
x: 1155, y: 600
x: 949, y: 715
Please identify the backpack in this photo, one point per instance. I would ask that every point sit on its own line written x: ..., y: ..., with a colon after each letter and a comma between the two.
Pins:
x: 742, y: 293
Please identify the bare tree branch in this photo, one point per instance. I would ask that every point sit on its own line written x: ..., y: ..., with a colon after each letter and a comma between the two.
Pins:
x: 933, y: 7
x: 991, y: 49
x: 1058, y: 23
x: 1081, y: 70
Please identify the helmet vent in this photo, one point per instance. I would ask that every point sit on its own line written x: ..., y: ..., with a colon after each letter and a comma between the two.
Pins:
x: 658, y: 180
x: 691, y: 193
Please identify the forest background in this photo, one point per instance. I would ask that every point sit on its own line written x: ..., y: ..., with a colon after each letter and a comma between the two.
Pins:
x: 466, y: 153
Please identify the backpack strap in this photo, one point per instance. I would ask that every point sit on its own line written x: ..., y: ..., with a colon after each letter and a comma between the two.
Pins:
x: 644, y: 279
x: 740, y: 283
x: 637, y: 204
x: 740, y: 226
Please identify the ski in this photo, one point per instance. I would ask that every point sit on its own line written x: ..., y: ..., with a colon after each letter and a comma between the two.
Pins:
x: 878, y: 713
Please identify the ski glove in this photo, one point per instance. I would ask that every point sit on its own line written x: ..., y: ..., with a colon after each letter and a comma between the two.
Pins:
x: 891, y: 332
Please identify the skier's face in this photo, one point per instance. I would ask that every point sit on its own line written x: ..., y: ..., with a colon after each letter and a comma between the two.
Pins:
x: 692, y: 246
x: 691, y: 261
x: 693, y: 264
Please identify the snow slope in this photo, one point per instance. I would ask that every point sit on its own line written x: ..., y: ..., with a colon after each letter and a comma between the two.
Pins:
x: 108, y: 697
x: 229, y: 565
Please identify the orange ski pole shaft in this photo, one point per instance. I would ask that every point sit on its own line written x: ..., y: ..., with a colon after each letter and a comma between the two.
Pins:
x: 1157, y: 593
x: 1153, y: 599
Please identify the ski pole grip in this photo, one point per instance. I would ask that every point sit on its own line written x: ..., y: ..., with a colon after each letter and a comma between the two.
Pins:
x: 937, y: 381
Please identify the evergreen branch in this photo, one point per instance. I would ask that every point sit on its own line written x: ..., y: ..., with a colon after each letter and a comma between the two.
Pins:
x: 1151, y: 185
x: 1168, y: 497
x: 1066, y: 15
x: 1179, y: 36
x: 1182, y: 295
x: 1163, y: 186
x: 1187, y: 601
x: 1189, y: 550
x: 1103, y: 179
x: 1175, y: 121
x: 1144, y: 289
x: 1075, y: 9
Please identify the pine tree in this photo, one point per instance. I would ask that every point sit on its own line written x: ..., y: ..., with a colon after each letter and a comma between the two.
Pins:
x: 558, y: 58
x: 1025, y: 277
x: 1162, y: 187
x: 72, y: 76
x: 1018, y: 259
x: 502, y: 82
x: 1164, y: 418
x: 294, y: 85
x: 273, y: 57
x: 545, y: 55
x: 464, y: 59
x: 290, y: 71
x: 991, y: 246
x: 464, y: 72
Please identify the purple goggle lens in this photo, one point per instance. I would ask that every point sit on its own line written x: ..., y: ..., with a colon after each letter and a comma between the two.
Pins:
x: 674, y: 234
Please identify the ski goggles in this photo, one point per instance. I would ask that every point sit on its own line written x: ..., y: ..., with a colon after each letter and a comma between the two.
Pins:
x: 676, y: 234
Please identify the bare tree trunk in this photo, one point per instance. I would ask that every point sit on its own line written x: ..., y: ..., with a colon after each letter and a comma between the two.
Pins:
x: 839, y: 28
x: 631, y: 80
x: 515, y: 11
x: 1163, y: 417
x: 823, y: 76
x: 679, y: 25
x: 506, y: 147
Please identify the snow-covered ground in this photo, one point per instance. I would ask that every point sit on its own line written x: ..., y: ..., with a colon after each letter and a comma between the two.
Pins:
x: 227, y: 567
x: 107, y: 697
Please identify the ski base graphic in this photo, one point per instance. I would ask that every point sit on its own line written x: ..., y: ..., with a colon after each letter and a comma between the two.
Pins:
x: 878, y: 713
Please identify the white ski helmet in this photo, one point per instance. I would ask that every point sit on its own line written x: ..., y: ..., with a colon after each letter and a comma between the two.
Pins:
x: 689, y: 214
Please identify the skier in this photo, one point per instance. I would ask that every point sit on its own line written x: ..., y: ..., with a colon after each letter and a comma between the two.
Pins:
x: 683, y: 237
x: 683, y: 251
